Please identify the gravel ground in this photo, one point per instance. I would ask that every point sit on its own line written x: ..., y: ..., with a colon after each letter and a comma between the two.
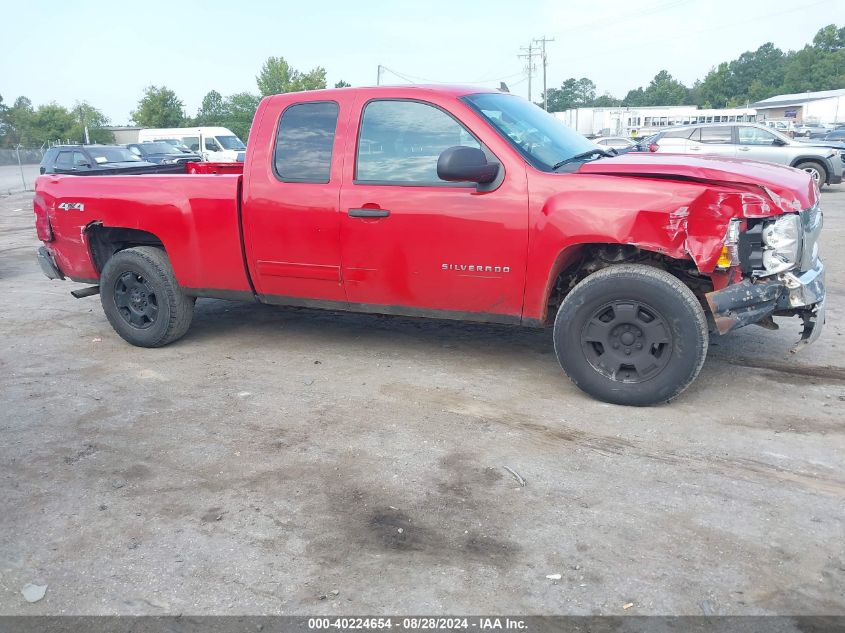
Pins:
x: 286, y: 461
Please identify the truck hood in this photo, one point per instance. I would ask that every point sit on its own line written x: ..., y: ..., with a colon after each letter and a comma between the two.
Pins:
x: 790, y: 188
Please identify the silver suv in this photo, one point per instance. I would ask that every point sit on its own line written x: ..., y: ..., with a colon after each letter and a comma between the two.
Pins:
x: 755, y: 142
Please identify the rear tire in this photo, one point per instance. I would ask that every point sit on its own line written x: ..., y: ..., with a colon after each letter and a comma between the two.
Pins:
x: 631, y: 334
x: 142, y: 299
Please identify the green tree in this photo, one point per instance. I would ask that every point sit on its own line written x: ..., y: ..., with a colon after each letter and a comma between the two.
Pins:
x: 159, y: 107
x: 573, y: 93
x: 665, y: 90
x: 585, y: 91
x: 277, y: 77
x: 830, y: 38
x: 4, y: 122
x: 634, y: 97
x: 342, y: 84
x: 820, y: 66
x: 238, y: 112
x: 84, y: 114
x: 212, y: 110
x: 49, y: 123
x: 605, y: 101
x: 18, y: 119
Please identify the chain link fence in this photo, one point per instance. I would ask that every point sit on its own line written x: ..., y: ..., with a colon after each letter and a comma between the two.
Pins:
x: 19, y: 168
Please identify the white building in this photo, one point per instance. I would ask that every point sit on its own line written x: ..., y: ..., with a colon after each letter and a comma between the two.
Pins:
x: 645, y: 120
x: 826, y: 106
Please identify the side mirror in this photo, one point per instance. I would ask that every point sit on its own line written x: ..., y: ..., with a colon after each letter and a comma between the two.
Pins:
x: 466, y: 164
x: 778, y: 142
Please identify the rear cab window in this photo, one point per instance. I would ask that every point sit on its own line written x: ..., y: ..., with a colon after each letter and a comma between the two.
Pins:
x: 305, y: 142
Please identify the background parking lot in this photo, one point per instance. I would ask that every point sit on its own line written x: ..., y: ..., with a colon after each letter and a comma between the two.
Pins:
x: 292, y: 461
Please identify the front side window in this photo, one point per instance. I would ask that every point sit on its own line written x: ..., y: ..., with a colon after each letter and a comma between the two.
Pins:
x: 541, y: 138
x: 79, y: 160
x: 211, y: 145
x: 755, y: 136
x: 65, y: 159
x: 304, y: 142
x: 400, y: 142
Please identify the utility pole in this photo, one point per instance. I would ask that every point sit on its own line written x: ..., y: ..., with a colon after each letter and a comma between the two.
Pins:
x: 529, y: 56
x: 542, y: 42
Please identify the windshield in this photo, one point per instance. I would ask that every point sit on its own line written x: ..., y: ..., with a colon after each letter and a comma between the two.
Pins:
x: 230, y: 142
x: 112, y: 155
x: 537, y: 135
x: 157, y: 148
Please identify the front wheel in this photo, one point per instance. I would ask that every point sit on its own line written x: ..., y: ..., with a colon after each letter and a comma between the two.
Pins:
x: 816, y: 171
x: 631, y: 334
x: 142, y: 299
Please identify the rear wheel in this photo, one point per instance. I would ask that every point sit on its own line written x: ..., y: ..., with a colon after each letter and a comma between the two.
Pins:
x: 142, y: 299
x: 631, y: 334
x: 816, y: 171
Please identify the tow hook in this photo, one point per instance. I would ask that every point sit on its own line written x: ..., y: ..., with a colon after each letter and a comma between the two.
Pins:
x: 90, y: 291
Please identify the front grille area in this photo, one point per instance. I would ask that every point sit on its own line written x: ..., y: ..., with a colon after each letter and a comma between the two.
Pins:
x: 811, y: 223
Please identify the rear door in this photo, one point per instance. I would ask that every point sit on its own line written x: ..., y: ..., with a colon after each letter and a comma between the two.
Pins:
x: 290, y: 208
x: 713, y: 140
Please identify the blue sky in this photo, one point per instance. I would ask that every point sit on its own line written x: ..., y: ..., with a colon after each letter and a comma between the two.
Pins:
x: 193, y: 47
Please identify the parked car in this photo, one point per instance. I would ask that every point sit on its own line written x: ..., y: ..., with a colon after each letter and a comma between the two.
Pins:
x: 177, y: 143
x: 756, y: 142
x: 646, y: 143
x: 82, y: 160
x: 810, y: 130
x: 786, y: 128
x: 619, y: 143
x: 162, y: 153
x: 836, y: 135
x: 215, y: 144
x: 452, y: 203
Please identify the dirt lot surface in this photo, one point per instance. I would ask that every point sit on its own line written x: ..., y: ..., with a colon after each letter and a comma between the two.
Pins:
x: 276, y: 456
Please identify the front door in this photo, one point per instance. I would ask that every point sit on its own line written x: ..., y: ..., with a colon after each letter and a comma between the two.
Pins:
x: 414, y: 244
x: 758, y: 144
x: 291, y: 220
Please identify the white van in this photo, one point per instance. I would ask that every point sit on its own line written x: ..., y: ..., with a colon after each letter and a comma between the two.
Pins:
x: 216, y: 144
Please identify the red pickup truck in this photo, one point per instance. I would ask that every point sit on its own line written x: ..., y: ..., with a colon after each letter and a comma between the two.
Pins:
x: 454, y: 203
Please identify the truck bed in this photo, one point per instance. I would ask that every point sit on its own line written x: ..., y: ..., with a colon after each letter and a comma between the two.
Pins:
x: 194, y: 216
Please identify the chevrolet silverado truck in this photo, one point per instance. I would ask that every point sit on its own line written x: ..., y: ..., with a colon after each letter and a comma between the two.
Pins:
x: 454, y: 203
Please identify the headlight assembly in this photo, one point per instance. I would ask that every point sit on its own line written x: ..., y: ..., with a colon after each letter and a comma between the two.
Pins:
x: 781, y: 243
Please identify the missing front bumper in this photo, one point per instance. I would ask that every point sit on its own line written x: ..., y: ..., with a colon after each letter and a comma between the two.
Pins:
x: 789, y: 294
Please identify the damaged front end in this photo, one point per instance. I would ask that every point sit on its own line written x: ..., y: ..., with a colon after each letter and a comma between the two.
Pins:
x: 783, y: 276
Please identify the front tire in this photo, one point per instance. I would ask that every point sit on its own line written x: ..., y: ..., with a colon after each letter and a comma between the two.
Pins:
x: 631, y: 334
x: 816, y: 171
x: 142, y: 299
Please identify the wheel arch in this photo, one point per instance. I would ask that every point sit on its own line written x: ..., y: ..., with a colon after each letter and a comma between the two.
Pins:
x: 813, y: 159
x: 576, y: 261
x: 105, y: 241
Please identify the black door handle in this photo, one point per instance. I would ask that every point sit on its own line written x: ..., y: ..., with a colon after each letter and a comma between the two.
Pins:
x: 368, y: 213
